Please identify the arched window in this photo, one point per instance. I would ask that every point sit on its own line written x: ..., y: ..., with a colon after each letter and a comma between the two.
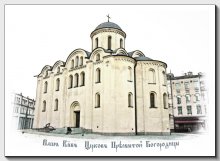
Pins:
x: 76, y: 80
x: 97, y: 100
x: 44, y: 106
x: 57, y: 84
x: 165, y: 100
x: 45, y: 87
x: 130, y: 100
x: 82, y: 79
x: 81, y: 61
x: 164, y: 78
x: 98, y: 75
x: 152, y: 100
x: 96, y: 42
x: 58, y: 69
x: 109, y: 42
x: 152, y: 76
x: 56, y: 105
x: 97, y: 57
x: 72, y: 64
x: 129, y: 74
x: 70, y: 82
x: 77, y: 61
x: 121, y: 43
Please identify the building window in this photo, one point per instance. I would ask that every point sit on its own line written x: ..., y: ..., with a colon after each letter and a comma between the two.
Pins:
x: 76, y: 80
x: 164, y: 78
x: 97, y: 57
x: 186, y: 85
x: 152, y: 76
x: 187, y: 98
x: 152, y: 100
x: 178, y: 99
x: 98, y: 75
x: 121, y: 43
x: 129, y: 74
x: 189, y: 110
x: 77, y: 61
x: 196, y: 85
x: 97, y: 100
x: 72, y: 64
x: 199, y: 109
x: 44, y: 106
x: 165, y: 101
x: 178, y: 86
x: 130, y: 100
x: 180, y: 112
x: 58, y: 69
x: 96, y: 42
x: 81, y: 61
x: 82, y: 79
x: 197, y: 97
x: 109, y: 42
x: 57, y: 84
x: 45, y: 87
x: 70, y: 82
x: 56, y: 105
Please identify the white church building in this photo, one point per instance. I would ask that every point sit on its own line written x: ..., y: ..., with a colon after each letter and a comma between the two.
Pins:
x: 108, y: 90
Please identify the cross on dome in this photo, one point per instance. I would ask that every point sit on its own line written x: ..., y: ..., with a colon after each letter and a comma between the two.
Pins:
x: 108, y: 17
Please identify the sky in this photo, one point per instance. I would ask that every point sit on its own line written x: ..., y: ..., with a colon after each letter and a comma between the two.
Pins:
x: 183, y: 36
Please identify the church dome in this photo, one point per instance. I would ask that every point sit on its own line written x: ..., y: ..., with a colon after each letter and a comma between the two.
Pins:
x: 108, y: 25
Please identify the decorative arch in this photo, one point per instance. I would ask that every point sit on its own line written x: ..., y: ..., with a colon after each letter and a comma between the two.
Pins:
x: 151, y: 76
x: 45, y: 70
x: 71, y: 56
x: 121, y: 51
x: 137, y: 53
x: 95, y: 52
x: 57, y: 64
x: 75, y: 106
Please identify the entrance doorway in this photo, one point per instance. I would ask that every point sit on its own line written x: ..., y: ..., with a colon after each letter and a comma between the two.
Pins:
x: 77, y: 113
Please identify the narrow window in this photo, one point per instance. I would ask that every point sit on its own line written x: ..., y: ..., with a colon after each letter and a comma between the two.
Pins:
x: 76, y: 80
x: 72, y: 63
x: 45, y: 87
x: 44, y: 106
x: 152, y: 100
x: 121, y: 43
x: 180, y: 110
x: 56, y: 105
x: 98, y: 75
x: 77, y: 61
x: 129, y: 74
x: 189, y: 110
x: 96, y: 42
x: 165, y: 101
x: 58, y: 69
x: 98, y: 57
x: 81, y: 61
x: 57, y: 84
x: 70, y: 82
x: 187, y: 98
x: 97, y: 100
x: 109, y: 42
x: 130, y: 100
x: 82, y: 79
x: 152, y: 76
x: 178, y: 99
x: 164, y: 78
x: 199, y: 110
x: 197, y: 97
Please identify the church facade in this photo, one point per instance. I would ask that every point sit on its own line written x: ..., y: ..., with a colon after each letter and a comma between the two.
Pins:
x: 107, y: 90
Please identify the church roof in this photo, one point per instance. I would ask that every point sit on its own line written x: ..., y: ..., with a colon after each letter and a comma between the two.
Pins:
x: 142, y: 58
x: 108, y: 25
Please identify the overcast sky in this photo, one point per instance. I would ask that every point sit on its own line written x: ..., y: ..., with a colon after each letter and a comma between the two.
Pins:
x: 37, y: 35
